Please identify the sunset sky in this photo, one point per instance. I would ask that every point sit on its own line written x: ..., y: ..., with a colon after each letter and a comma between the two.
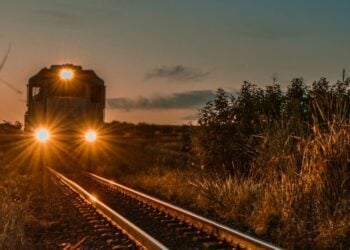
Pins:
x: 162, y: 59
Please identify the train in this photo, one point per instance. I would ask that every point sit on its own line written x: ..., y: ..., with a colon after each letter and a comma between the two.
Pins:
x: 65, y: 112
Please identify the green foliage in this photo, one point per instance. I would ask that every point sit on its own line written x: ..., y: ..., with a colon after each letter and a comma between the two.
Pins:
x: 232, y: 128
x: 272, y: 103
x: 296, y: 107
x: 217, y: 123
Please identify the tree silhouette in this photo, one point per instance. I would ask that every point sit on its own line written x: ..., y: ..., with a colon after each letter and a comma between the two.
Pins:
x: 230, y: 128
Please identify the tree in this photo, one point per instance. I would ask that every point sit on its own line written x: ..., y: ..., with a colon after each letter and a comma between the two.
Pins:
x: 231, y: 129
x: 296, y: 112
x: 249, y: 107
x: 273, y: 103
x: 211, y: 143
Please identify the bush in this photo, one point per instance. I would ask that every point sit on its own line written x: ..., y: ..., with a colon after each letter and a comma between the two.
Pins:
x: 281, y: 162
x: 232, y: 128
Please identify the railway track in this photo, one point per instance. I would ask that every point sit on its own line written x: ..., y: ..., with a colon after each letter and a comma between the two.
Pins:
x: 107, y: 225
x: 176, y: 228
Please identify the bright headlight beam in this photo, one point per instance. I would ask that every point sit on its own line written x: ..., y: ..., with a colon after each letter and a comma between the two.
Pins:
x: 42, y: 135
x: 90, y: 136
x: 66, y: 74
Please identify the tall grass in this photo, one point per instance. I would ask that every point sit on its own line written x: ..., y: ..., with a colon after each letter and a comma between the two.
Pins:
x: 14, y: 204
x: 296, y: 195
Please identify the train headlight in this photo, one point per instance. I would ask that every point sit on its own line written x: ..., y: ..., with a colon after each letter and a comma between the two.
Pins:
x: 90, y: 136
x: 66, y: 74
x: 42, y: 135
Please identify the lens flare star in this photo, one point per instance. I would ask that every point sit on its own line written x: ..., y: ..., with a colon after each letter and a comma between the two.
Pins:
x: 90, y: 136
x: 66, y: 74
x: 42, y: 135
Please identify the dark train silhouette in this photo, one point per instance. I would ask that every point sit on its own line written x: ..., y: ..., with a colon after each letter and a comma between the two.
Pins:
x: 65, y: 109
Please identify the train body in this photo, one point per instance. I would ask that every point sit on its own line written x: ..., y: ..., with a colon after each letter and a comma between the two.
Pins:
x: 65, y: 107
x: 65, y: 97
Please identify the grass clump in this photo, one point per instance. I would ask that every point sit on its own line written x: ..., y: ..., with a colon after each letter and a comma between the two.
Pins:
x: 14, y: 204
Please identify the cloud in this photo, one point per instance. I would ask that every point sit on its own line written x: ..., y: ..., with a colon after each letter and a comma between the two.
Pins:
x: 90, y: 7
x: 56, y: 17
x: 266, y: 34
x: 190, y: 117
x: 268, y: 31
x: 177, y: 73
x: 184, y: 100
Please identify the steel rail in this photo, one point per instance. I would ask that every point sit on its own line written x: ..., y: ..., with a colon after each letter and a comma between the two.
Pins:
x: 132, y: 231
x: 221, y: 231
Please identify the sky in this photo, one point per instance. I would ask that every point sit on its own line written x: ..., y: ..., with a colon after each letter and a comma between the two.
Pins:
x: 162, y: 60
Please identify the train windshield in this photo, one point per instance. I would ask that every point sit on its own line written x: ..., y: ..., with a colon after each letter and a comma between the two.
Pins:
x: 37, y: 93
x: 96, y: 94
x: 68, y: 90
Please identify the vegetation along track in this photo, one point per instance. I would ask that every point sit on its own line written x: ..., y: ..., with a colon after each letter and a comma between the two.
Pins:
x: 103, y: 226
x: 176, y: 228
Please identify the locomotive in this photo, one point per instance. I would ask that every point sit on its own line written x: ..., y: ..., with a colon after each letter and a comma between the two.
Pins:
x: 65, y: 111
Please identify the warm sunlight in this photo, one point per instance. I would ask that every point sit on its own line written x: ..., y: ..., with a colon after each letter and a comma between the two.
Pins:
x: 236, y: 110
x: 66, y: 74
x: 42, y: 135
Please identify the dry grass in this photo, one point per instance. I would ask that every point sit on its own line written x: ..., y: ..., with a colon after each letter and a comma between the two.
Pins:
x: 169, y: 184
x: 14, y: 203
x: 297, y: 197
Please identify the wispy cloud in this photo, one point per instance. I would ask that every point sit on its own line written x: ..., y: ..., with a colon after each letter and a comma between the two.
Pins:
x: 190, y: 117
x: 268, y: 31
x: 177, y: 73
x: 117, y: 8
x: 184, y: 100
x: 56, y: 17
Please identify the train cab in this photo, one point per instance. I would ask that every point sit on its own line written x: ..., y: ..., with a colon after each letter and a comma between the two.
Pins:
x: 65, y: 107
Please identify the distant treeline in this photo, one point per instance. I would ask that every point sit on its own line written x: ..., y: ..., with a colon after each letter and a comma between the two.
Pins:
x: 233, y: 127
x: 144, y: 130
x: 7, y: 126
x: 10, y: 133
